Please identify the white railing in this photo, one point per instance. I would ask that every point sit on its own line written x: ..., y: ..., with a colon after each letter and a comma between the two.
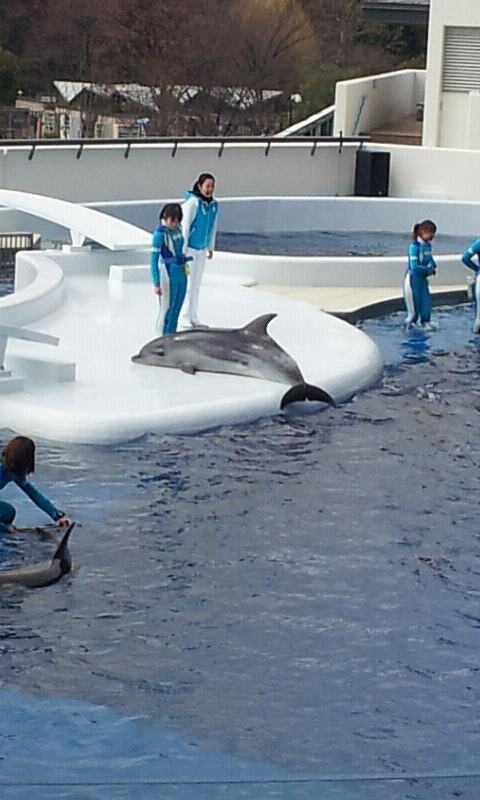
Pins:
x: 319, y: 124
x: 12, y: 332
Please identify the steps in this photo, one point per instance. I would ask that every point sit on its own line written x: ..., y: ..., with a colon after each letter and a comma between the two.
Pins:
x: 9, y: 383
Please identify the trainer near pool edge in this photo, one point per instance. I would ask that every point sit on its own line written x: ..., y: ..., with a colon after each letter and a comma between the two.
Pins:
x: 471, y: 259
x: 421, y: 266
x: 16, y: 463
x: 199, y: 226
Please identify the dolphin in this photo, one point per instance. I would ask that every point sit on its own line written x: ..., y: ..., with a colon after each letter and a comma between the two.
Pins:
x: 237, y: 351
x: 43, y: 573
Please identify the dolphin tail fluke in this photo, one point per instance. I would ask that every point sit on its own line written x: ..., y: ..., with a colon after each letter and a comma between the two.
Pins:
x: 305, y: 391
x: 62, y: 547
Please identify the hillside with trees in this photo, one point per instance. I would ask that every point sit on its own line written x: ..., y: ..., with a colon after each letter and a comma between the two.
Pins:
x: 300, y: 46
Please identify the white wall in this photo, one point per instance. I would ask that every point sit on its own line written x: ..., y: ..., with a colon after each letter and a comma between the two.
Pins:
x: 382, y: 99
x: 330, y: 270
x: 434, y: 173
x: 103, y: 173
x: 260, y: 214
x: 446, y: 112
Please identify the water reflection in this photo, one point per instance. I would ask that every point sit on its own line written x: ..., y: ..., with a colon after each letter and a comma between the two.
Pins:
x: 416, y: 346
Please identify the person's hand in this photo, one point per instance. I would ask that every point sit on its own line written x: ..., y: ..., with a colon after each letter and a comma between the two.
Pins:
x: 62, y: 521
x: 158, y: 290
x: 209, y: 254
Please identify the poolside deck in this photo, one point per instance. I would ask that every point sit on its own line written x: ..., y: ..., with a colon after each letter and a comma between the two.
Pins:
x: 358, y: 302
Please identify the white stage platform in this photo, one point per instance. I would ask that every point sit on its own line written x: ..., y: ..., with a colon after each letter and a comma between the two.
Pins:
x: 101, y: 307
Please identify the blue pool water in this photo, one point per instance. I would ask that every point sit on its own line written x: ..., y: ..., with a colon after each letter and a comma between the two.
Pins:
x: 334, y: 243
x: 286, y: 609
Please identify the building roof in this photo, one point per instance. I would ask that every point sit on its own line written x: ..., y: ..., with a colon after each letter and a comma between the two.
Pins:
x: 405, y: 12
x: 147, y: 96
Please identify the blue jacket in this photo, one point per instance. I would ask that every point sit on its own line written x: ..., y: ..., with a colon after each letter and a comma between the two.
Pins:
x: 467, y: 258
x: 199, y: 222
x: 420, y: 259
x: 167, y: 245
x: 33, y: 493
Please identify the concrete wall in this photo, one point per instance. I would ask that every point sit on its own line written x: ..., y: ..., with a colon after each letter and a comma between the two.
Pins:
x: 103, y: 173
x: 330, y: 270
x: 260, y: 214
x: 446, y: 113
x: 366, y: 103
x: 433, y: 173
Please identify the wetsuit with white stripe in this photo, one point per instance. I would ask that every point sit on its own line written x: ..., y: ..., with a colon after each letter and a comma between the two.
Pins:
x: 168, y: 271
x: 416, y: 292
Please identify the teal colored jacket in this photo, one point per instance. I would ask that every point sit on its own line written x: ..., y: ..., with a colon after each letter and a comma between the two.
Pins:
x: 33, y: 493
x: 468, y: 256
x: 199, y: 223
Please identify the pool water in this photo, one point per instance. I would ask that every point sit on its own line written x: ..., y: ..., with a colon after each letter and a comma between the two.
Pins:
x: 334, y: 243
x: 285, y: 609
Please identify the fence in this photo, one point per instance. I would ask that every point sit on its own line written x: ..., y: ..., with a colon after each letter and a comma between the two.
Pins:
x: 11, y: 243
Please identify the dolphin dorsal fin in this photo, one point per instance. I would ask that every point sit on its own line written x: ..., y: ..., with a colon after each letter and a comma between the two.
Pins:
x: 259, y: 325
x: 60, y: 551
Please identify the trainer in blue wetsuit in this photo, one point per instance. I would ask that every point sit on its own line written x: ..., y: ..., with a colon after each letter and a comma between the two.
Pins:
x: 420, y: 266
x: 17, y: 462
x: 471, y: 259
x: 170, y: 278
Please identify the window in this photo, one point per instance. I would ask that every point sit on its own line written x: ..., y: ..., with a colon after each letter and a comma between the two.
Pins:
x: 461, y: 60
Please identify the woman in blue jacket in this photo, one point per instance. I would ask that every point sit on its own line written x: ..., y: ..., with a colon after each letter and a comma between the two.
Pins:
x: 471, y: 259
x: 17, y: 462
x: 420, y: 266
x: 199, y: 227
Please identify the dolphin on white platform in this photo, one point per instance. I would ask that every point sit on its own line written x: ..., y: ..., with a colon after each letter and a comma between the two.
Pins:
x: 246, y: 351
x: 43, y: 573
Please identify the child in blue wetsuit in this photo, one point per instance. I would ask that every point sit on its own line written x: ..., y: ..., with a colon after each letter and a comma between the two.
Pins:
x: 199, y: 226
x: 420, y: 266
x: 17, y: 462
x: 471, y: 259
x: 170, y: 280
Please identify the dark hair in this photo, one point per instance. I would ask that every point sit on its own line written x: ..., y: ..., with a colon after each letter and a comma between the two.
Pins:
x: 19, y: 455
x: 427, y: 225
x: 172, y: 211
x: 204, y: 176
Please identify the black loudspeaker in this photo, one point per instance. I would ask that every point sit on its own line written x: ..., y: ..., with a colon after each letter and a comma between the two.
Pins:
x: 372, y: 174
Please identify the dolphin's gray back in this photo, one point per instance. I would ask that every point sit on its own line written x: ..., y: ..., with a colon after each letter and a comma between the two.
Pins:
x: 248, y: 351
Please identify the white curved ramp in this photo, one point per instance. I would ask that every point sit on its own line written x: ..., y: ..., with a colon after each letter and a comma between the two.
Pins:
x: 82, y: 222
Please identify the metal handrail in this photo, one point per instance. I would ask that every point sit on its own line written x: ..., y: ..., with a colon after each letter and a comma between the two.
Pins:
x: 178, y: 140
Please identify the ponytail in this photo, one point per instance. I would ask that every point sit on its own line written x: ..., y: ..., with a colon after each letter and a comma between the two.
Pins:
x: 415, y: 232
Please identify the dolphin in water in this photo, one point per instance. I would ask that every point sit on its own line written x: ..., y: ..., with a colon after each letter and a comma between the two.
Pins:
x: 238, y: 351
x: 44, y: 573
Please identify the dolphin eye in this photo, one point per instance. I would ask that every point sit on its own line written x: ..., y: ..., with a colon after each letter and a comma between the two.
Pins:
x: 159, y: 351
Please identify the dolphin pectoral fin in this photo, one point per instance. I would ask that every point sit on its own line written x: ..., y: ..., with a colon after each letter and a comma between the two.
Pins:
x: 259, y: 325
x: 189, y: 369
x: 305, y: 391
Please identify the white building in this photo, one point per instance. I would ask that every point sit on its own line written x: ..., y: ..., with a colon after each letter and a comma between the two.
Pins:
x: 385, y: 106
x: 452, y: 90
